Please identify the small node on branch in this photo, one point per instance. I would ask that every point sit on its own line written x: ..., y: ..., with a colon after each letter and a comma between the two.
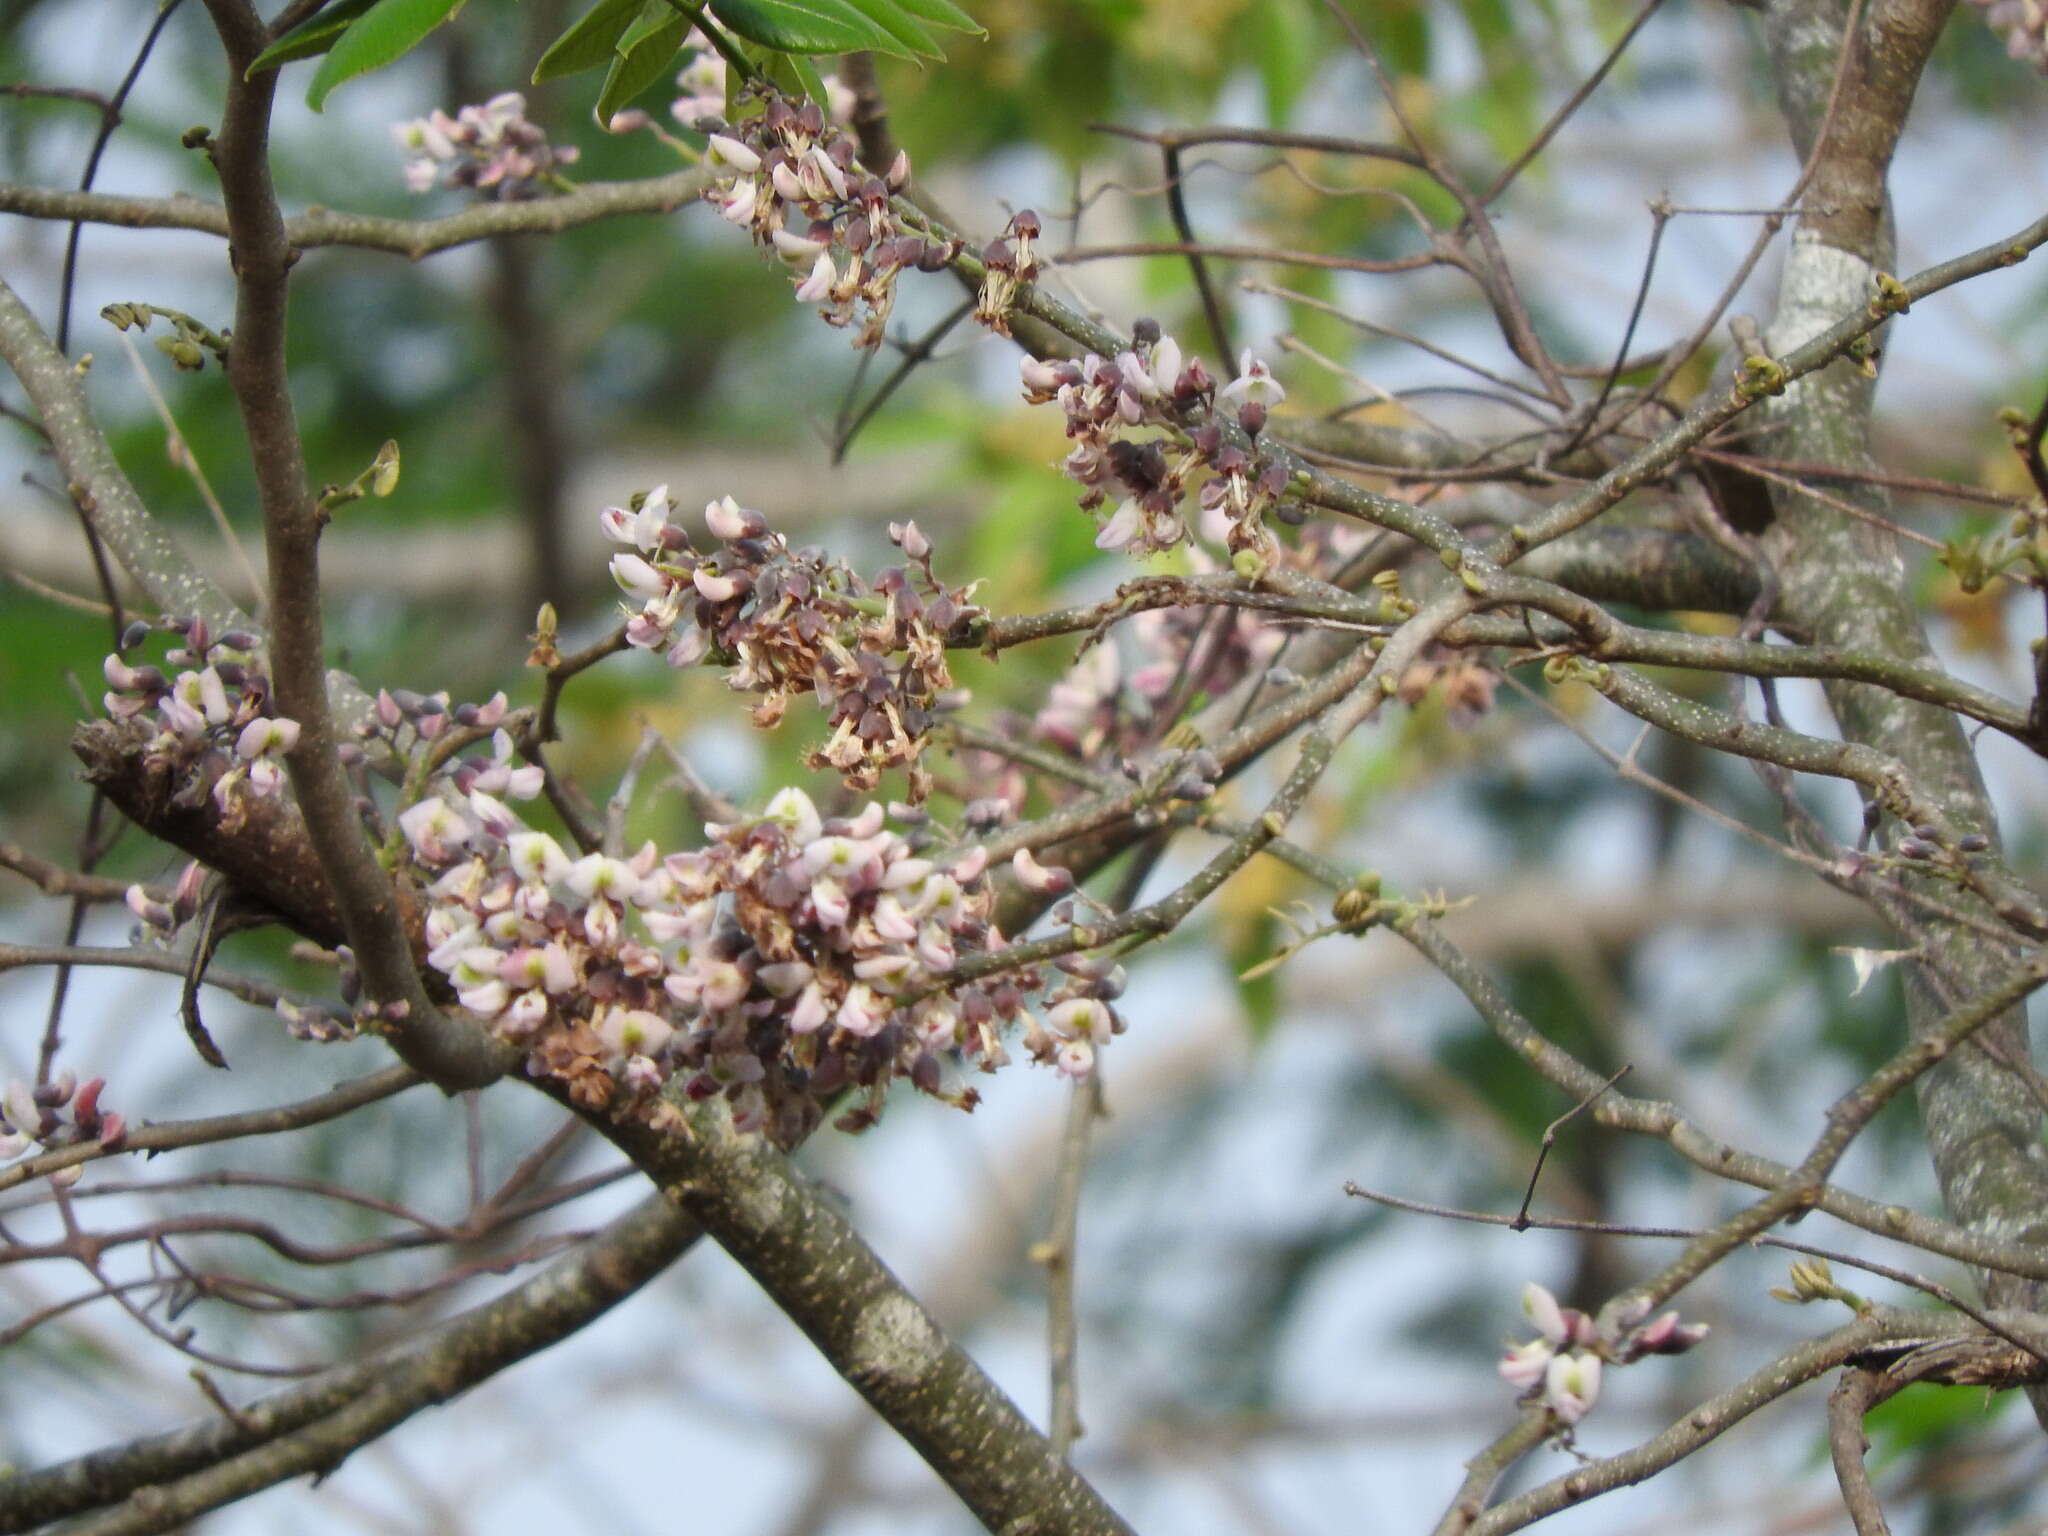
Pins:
x: 1891, y: 297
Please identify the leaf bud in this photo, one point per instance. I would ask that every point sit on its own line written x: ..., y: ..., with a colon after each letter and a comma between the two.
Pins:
x: 384, y: 469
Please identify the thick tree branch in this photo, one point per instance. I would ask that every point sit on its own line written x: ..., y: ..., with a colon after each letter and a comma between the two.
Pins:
x: 97, y: 483
x: 452, y: 1053
x: 807, y: 1256
x: 168, y: 1480
x: 1843, y: 583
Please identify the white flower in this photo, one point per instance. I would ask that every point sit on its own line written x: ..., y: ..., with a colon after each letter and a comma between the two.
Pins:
x: 1254, y: 381
x: 726, y: 150
x: 1571, y: 1385
x: 536, y: 857
x: 817, y: 288
x: 736, y: 205
x: 728, y: 520
x: 641, y: 529
x: 798, y: 816
x: 1166, y: 364
x: 639, y: 580
x: 1123, y: 528
x: 594, y: 875
x: 1524, y: 1364
x: 1542, y: 1309
x: 492, y: 814
x: 1081, y: 1018
x: 266, y: 737
x: 435, y: 829
x: 795, y: 248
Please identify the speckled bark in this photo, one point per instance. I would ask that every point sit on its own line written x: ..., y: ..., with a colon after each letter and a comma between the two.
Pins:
x: 96, y: 480
x: 1844, y: 583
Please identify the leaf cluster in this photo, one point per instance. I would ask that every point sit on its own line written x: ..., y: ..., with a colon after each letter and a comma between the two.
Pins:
x: 635, y: 41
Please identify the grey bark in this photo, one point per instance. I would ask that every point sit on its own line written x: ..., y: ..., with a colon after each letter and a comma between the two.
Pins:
x: 1843, y: 582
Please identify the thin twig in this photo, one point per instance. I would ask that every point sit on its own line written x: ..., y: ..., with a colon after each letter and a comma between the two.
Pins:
x: 1549, y: 1139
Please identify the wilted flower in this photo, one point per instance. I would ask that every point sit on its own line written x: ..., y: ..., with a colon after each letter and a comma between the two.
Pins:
x: 215, y: 736
x: 788, y: 623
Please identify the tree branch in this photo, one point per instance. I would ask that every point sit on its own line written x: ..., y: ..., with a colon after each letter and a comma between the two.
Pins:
x: 453, y: 1054
x: 412, y: 238
x: 168, y: 1480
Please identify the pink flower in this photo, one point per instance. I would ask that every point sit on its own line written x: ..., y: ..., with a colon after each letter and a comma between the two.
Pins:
x: 1033, y: 876
x: 434, y: 829
x: 810, y: 1012
x: 864, y: 1012
x: 1075, y: 1060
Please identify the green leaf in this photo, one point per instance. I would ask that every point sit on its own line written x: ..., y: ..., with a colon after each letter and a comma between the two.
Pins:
x: 645, y: 56
x: 589, y: 42
x: 805, y: 73
x: 803, y: 26
x: 1283, y: 47
x: 389, y: 30
x: 309, y: 37
x: 902, y: 27
x: 654, y: 16
x: 944, y: 13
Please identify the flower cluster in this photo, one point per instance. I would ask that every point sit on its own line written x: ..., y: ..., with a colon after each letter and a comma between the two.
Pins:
x: 2024, y: 26
x: 1562, y: 1366
x: 59, y: 1113
x: 216, y: 733
x: 792, y: 959
x: 792, y: 621
x: 703, y: 82
x: 793, y: 181
x: 1111, y: 704
x: 1149, y: 385
x: 490, y: 147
